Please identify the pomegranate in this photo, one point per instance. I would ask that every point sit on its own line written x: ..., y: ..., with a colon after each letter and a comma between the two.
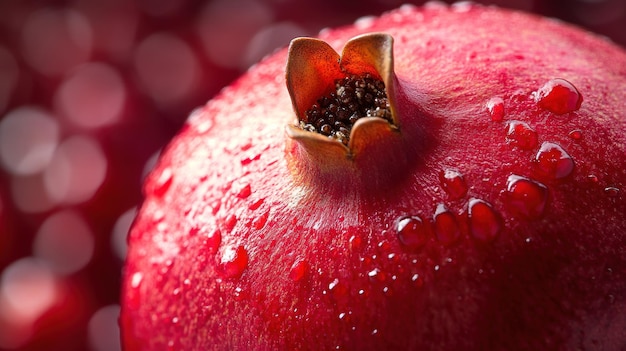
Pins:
x: 453, y: 180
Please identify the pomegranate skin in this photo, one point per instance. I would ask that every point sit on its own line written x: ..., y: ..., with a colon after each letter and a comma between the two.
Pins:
x: 235, y: 249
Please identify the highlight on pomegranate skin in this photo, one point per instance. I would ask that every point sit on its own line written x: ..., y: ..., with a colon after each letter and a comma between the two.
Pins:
x: 393, y: 185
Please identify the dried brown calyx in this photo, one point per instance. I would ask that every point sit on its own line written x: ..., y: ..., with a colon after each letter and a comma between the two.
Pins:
x: 343, y: 103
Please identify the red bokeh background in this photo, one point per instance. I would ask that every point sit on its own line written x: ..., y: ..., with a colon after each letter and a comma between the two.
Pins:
x: 90, y: 91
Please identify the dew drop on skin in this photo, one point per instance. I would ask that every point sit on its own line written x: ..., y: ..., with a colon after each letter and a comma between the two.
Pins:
x: 163, y: 183
x: 576, y: 134
x: 259, y: 221
x: 612, y: 191
x: 521, y: 135
x: 446, y: 227
x: 242, y: 190
x: 484, y: 221
x: 229, y: 222
x: 525, y: 196
x: 553, y: 161
x: 558, y: 96
x: 134, y: 297
x: 453, y: 183
x: 213, y: 241
x: 298, y: 270
x: 495, y: 107
x: 338, y: 289
x: 412, y: 232
x: 234, y: 262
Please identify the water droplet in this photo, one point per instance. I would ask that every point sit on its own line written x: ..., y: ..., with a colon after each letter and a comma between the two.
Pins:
x: 338, y: 289
x: 229, y: 222
x: 376, y: 275
x: 412, y: 232
x: 558, y: 96
x: 483, y: 220
x: 576, y: 134
x: 521, y: 135
x: 355, y: 242
x: 234, y: 262
x: 163, y: 182
x: 242, y: 190
x: 167, y: 266
x: 525, y: 196
x: 446, y: 228
x: 384, y: 245
x: 136, y: 279
x: 342, y: 315
x: 255, y: 204
x: 495, y: 107
x: 259, y: 222
x: 134, y: 297
x: 453, y: 183
x: 213, y: 241
x: 171, y: 345
x: 463, y: 6
x: 417, y: 280
x: 215, y: 206
x: 298, y: 270
x: 553, y: 162
x: 239, y: 293
x: 612, y: 191
x: 519, y: 95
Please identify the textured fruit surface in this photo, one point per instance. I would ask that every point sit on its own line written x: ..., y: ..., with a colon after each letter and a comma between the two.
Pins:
x: 493, y: 238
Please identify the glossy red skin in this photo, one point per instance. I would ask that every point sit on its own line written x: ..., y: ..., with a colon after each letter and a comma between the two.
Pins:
x: 553, y: 283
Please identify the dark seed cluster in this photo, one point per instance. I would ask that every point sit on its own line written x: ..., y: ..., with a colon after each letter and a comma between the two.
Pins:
x: 354, y: 97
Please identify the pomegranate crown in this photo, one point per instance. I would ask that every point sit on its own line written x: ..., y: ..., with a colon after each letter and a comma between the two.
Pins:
x: 343, y: 103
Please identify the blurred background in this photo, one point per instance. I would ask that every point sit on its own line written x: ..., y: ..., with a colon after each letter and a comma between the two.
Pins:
x: 90, y: 91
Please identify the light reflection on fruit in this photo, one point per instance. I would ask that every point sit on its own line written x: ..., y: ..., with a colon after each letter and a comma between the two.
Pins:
x: 90, y: 91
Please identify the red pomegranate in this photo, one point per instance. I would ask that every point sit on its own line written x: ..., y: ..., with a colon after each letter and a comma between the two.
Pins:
x: 453, y: 180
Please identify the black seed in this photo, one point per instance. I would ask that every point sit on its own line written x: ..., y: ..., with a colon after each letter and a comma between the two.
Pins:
x: 353, y: 118
x: 343, y: 113
x: 330, y: 120
x: 324, y: 101
x: 319, y: 123
x: 339, y: 124
x: 326, y: 129
x: 354, y: 97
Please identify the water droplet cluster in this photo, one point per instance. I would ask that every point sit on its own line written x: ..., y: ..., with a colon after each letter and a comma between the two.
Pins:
x: 522, y: 197
x: 354, y: 97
